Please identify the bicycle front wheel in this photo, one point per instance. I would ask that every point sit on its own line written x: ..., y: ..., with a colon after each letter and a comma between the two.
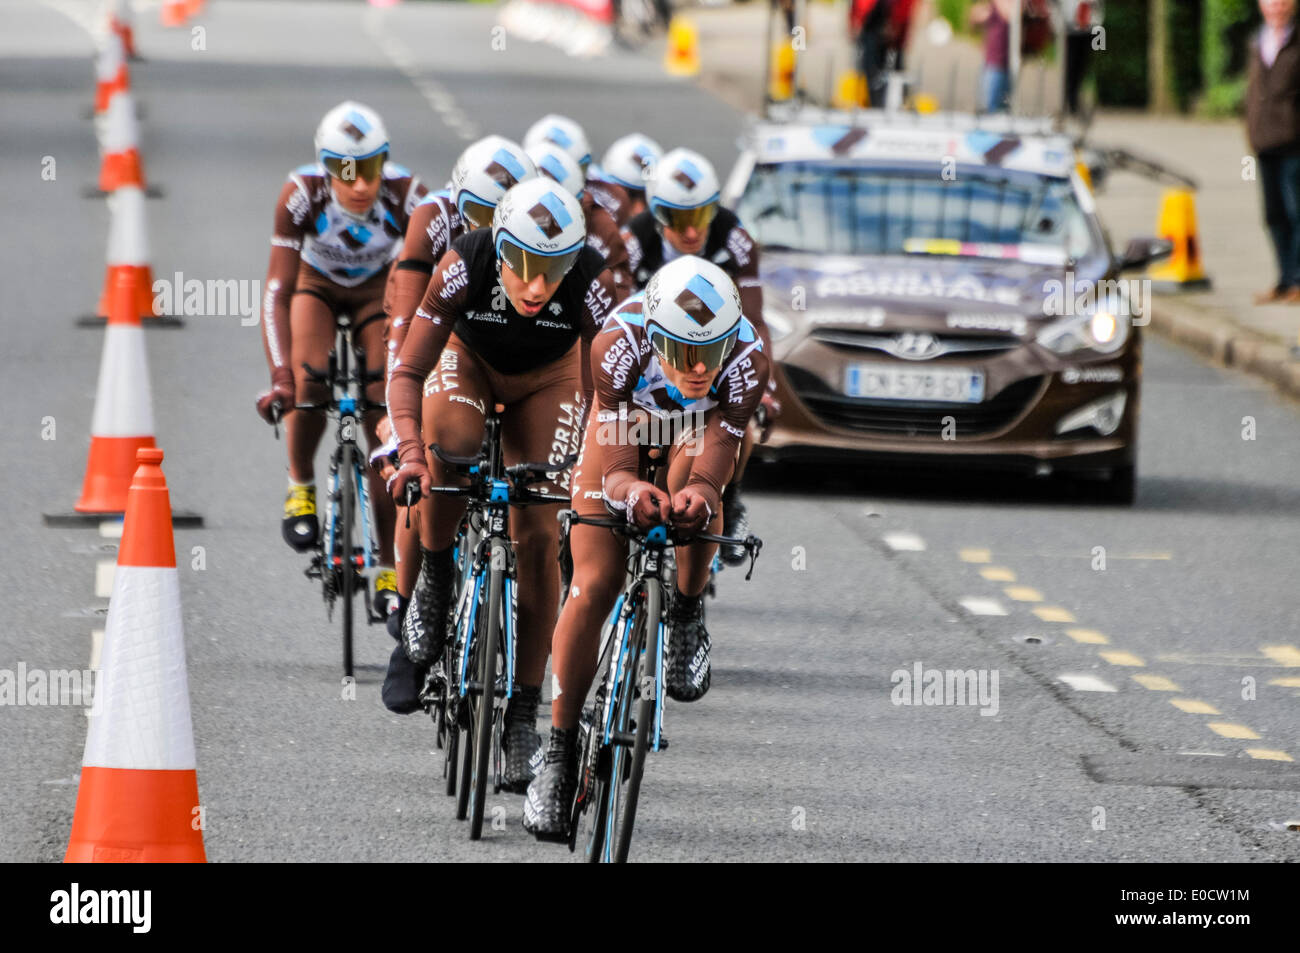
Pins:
x: 636, y: 723
x: 348, y: 568
x: 484, y: 705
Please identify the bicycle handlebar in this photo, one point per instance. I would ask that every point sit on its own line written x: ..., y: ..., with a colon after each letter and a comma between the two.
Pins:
x: 751, y: 543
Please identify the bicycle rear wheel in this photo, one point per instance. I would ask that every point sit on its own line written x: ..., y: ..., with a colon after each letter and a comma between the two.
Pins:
x: 484, y: 705
x: 347, y: 569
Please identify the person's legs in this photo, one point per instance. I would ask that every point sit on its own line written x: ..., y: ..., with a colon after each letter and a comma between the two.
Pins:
x: 1289, y: 180
x: 1275, y: 216
x: 370, y: 337
x: 311, y: 321
x: 994, y: 89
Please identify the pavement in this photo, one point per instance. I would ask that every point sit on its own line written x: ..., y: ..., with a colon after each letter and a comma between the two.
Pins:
x: 1222, y: 324
x: 1123, y: 641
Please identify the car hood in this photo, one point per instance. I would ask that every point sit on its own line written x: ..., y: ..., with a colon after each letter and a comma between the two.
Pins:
x: 912, y: 285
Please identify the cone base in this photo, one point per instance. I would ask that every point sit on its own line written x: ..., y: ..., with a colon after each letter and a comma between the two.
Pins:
x: 130, y: 815
x: 109, y: 468
x: 148, y: 320
x: 71, y: 519
x: 150, y: 192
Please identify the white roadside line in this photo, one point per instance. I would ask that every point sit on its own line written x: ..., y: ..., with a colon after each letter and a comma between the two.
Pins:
x: 905, y: 542
x: 976, y: 605
x: 1087, y: 683
x: 435, y: 94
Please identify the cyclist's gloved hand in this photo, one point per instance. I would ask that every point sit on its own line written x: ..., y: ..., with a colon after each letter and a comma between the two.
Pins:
x: 384, y: 459
x: 691, y: 510
x: 281, y: 393
x: 412, y: 472
x: 647, y: 505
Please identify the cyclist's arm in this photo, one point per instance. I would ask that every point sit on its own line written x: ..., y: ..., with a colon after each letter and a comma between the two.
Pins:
x: 741, y: 391
x: 600, y: 299
x: 744, y: 254
x: 617, y: 366
x: 605, y: 238
x: 282, y: 276
x: 430, y: 328
x: 427, y: 237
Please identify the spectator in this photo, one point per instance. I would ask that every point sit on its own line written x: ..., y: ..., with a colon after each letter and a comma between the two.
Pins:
x: 881, y: 28
x: 1273, y: 126
x: 994, y: 17
x: 1081, y: 18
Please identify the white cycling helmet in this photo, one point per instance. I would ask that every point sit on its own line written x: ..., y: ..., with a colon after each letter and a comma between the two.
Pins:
x: 692, y: 314
x: 683, y: 191
x: 565, y: 133
x: 557, y: 165
x: 351, y: 142
x: 630, y: 161
x: 484, y: 172
x: 538, y: 229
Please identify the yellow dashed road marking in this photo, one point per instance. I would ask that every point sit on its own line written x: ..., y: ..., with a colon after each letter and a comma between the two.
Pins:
x: 1285, y: 682
x: 1230, y: 730
x: 1119, y: 657
x: 1287, y: 655
x: 1087, y: 636
x: 1156, y: 683
x: 975, y: 555
x: 1054, y: 614
x: 1194, y: 707
x: 1023, y: 593
x: 1268, y: 754
x: 998, y: 574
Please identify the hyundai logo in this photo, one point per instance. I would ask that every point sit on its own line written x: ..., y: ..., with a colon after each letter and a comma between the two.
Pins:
x: 916, y: 346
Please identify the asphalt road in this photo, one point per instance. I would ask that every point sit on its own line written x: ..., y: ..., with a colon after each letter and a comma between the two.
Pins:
x: 798, y: 752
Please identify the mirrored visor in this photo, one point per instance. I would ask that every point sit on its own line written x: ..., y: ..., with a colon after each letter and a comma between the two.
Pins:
x: 349, y: 169
x: 528, y: 264
x: 685, y: 357
x: 680, y: 219
x: 477, y: 214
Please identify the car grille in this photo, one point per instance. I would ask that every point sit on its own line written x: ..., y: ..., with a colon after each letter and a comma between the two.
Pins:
x: 945, y: 344
x: 901, y: 418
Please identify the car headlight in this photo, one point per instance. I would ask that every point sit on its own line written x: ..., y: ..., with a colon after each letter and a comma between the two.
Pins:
x: 778, y: 325
x: 1101, y: 331
x: 1103, y: 416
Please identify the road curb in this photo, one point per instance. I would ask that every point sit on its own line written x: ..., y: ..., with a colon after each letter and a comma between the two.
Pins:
x: 1224, y: 342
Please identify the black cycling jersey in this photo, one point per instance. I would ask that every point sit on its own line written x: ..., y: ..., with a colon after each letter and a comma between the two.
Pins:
x: 728, y: 246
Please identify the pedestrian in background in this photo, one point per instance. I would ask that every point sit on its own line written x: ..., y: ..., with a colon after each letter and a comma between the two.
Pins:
x: 880, y: 27
x: 1082, y: 17
x: 994, y: 17
x: 1273, y: 126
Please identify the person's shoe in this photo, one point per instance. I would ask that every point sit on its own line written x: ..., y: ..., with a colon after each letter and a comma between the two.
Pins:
x: 424, y: 628
x: 688, y: 672
x: 402, y: 683
x: 520, y: 740
x: 301, y: 528
x: 548, y: 807
x: 384, y: 601
x: 1273, y: 295
x: 1292, y: 296
x: 735, y: 522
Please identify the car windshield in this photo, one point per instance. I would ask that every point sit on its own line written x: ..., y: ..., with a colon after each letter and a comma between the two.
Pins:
x: 825, y: 208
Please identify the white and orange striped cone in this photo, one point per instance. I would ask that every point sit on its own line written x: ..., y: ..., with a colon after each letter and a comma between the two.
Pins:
x: 138, y: 800
x: 110, y: 71
x: 175, y: 12
x: 193, y: 8
x: 128, y: 254
x: 120, y: 166
x: 123, y: 419
x: 121, y: 20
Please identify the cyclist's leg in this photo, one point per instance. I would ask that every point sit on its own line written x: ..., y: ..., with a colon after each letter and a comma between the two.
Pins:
x: 311, y: 318
x: 456, y: 398
x: 598, y: 557
x: 370, y: 336
x: 693, y: 561
x: 540, y: 423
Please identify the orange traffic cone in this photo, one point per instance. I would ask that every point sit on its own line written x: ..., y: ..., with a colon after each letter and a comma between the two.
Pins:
x: 120, y: 20
x: 682, y: 54
x: 1183, y: 271
x: 110, y: 71
x: 120, y: 138
x: 174, y: 12
x: 193, y: 8
x: 138, y: 801
x: 123, y: 420
x: 128, y: 254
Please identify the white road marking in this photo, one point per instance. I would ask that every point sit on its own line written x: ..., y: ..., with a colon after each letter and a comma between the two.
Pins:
x: 979, y: 606
x: 442, y: 102
x: 105, y: 569
x: 111, y: 529
x: 1087, y: 683
x: 905, y: 542
x: 96, y: 648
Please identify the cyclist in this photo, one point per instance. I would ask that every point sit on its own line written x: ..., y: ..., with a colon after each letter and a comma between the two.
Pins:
x: 628, y: 163
x: 683, y: 217
x: 602, y: 231
x: 501, y: 323
x: 569, y: 136
x: 338, y: 225
x: 684, y: 352
x: 482, y: 174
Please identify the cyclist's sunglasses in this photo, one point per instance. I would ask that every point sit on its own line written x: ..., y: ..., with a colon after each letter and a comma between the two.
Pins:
x: 680, y: 219
x: 350, y: 169
x: 477, y: 214
x: 528, y: 264
x: 686, y: 357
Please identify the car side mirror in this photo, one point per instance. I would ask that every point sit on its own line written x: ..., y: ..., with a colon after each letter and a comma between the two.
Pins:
x: 1143, y: 251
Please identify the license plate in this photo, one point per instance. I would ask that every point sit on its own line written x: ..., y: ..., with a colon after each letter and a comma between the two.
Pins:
x: 954, y: 385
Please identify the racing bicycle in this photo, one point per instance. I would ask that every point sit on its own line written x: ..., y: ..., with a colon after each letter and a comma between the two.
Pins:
x: 626, y: 720
x: 467, y: 691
